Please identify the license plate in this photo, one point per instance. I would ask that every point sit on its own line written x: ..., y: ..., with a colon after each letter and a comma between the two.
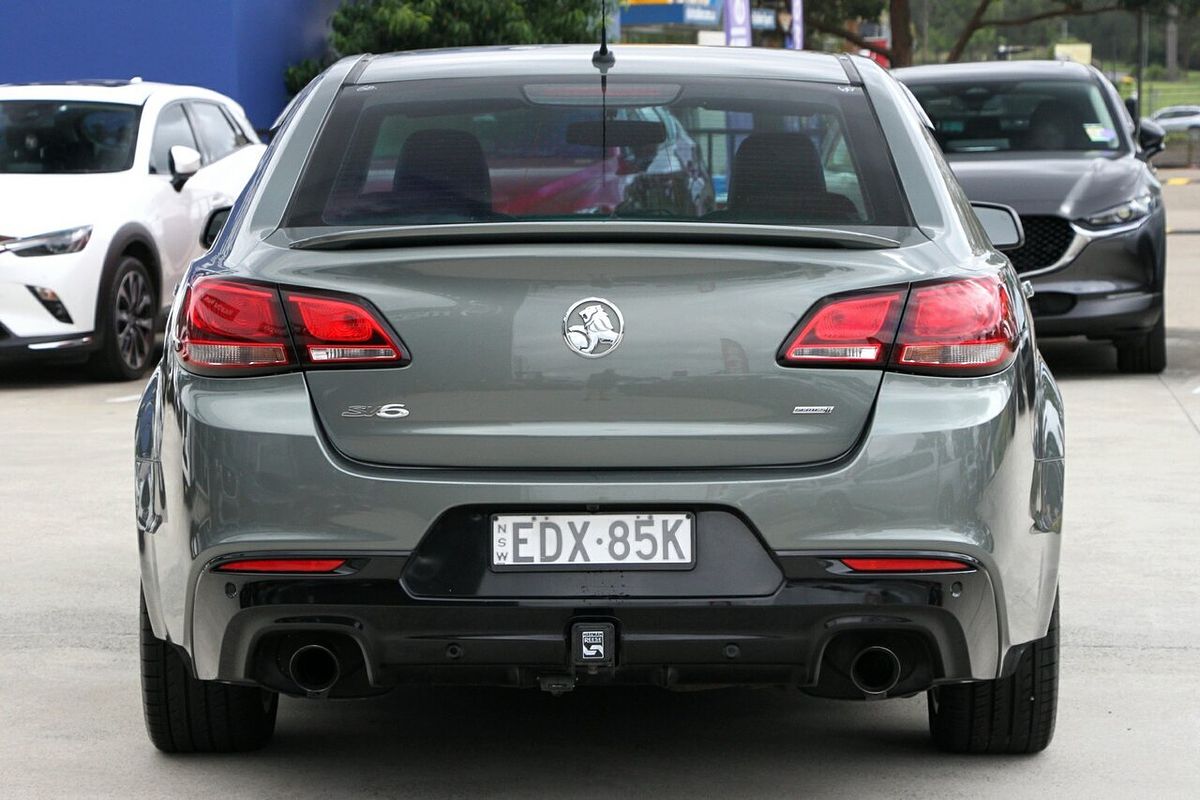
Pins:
x: 592, y: 541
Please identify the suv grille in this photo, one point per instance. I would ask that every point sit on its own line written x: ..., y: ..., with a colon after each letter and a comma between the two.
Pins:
x: 1046, y: 239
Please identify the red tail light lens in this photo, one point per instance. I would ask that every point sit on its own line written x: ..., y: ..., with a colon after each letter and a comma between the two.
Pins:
x: 232, y: 325
x: 959, y: 326
x: 855, y: 330
x: 308, y: 566
x: 906, y: 565
x: 332, y: 330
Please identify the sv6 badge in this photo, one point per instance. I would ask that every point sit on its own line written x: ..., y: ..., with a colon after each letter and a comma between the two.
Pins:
x: 386, y: 411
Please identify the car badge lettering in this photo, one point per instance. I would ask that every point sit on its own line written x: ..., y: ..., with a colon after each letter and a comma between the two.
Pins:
x: 593, y: 327
x: 813, y: 410
x: 385, y: 411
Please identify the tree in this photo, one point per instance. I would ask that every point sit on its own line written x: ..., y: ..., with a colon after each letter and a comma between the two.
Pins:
x: 384, y: 26
x: 831, y: 18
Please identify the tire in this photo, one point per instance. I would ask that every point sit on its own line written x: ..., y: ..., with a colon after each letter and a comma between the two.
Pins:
x: 185, y: 715
x: 1145, y: 354
x: 1013, y: 715
x: 125, y: 315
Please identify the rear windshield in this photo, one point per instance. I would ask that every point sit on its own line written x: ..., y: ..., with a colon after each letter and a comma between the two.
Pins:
x: 670, y: 149
x: 54, y: 137
x: 1036, y: 115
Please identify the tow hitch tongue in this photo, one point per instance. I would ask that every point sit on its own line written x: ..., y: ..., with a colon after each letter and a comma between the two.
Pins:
x: 593, y: 647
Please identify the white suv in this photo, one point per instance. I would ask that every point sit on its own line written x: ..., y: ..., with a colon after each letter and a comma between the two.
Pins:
x: 108, y: 190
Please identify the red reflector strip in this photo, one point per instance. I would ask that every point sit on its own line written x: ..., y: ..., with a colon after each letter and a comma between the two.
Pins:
x: 294, y: 565
x: 906, y: 565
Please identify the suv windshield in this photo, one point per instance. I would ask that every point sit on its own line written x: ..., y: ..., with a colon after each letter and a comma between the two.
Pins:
x: 1034, y: 115
x: 671, y: 149
x: 66, y: 137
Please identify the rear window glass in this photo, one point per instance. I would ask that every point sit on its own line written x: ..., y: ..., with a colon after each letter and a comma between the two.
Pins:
x: 55, y: 137
x: 673, y: 149
x: 1036, y: 115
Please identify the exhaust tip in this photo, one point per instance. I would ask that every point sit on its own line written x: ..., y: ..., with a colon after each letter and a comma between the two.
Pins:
x: 875, y: 671
x: 314, y: 668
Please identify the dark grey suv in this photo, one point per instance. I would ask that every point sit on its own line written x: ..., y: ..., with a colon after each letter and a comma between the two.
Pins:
x: 1053, y: 140
x: 797, y: 435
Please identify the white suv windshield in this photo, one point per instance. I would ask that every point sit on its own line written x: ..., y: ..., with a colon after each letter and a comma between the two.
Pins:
x: 66, y: 137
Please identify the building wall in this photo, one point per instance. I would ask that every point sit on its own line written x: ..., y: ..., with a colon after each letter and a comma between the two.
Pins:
x: 237, y: 47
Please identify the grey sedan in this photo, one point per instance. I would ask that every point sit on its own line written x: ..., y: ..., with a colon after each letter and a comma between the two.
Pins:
x: 602, y: 427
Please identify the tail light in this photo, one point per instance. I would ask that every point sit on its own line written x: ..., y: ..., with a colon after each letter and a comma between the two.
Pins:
x: 965, y: 326
x: 961, y: 326
x: 229, y: 326
x: 849, y: 330
x: 335, y: 331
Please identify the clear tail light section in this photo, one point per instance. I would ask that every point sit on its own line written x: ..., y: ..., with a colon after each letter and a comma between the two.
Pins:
x: 965, y: 326
x: 229, y: 327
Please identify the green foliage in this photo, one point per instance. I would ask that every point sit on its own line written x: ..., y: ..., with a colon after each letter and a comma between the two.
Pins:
x: 384, y: 26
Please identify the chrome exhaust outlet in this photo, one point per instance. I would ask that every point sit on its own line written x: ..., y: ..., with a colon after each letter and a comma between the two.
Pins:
x: 315, y: 669
x: 875, y: 671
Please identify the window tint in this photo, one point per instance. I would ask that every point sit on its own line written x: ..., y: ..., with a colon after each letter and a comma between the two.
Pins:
x: 43, y: 137
x: 217, y: 133
x: 172, y: 129
x: 677, y: 149
x: 982, y: 117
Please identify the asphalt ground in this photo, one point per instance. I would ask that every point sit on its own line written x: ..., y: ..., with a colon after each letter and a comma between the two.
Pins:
x: 1129, y: 718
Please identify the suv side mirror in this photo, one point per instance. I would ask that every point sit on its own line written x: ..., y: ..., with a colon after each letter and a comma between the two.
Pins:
x: 1002, y: 225
x: 1151, y: 139
x: 212, y: 228
x: 184, y: 162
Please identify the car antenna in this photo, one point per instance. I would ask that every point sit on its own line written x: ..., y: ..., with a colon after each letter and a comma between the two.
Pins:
x: 603, y: 59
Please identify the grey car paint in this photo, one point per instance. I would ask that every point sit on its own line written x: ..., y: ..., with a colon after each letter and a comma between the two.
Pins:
x: 971, y: 466
x: 1114, y: 278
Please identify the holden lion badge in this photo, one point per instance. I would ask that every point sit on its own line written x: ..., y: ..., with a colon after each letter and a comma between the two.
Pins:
x: 593, y: 327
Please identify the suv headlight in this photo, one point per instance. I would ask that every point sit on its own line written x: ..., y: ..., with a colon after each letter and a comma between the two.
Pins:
x: 50, y: 244
x: 1129, y: 211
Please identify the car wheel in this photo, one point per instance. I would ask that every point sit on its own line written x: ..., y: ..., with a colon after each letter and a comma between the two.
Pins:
x: 1144, y: 354
x: 1009, y: 715
x: 185, y: 715
x: 125, y: 323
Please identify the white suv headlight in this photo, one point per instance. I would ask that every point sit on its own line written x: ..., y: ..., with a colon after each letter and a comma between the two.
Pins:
x: 1129, y: 211
x: 50, y: 244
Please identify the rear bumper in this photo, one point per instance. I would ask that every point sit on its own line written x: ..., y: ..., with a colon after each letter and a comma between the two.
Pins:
x: 804, y: 634
x: 238, y: 466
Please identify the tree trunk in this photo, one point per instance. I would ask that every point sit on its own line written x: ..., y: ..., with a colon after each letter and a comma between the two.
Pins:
x: 968, y: 31
x: 902, y: 40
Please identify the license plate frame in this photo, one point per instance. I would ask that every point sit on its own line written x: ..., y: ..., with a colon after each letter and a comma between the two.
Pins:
x: 562, y: 518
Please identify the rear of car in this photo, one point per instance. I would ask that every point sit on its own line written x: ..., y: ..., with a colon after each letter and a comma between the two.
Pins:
x: 1052, y: 140
x: 791, y: 433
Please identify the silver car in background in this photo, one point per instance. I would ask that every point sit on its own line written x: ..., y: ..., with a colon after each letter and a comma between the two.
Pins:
x: 1178, y: 118
x: 792, y: 432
